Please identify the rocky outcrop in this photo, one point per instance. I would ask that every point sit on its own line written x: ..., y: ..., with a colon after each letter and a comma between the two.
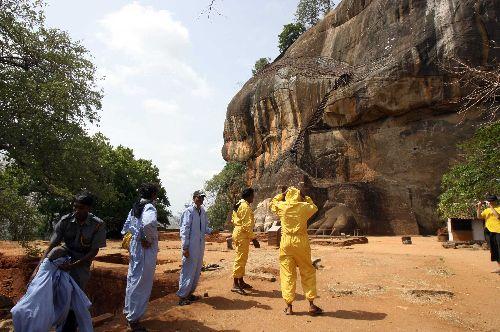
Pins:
x: 338, y: 217
x: 359, y: 112
x: 263, y: 216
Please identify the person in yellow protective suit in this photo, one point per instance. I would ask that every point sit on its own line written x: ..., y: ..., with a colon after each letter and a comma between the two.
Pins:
x: 243, y: 221
x: 294, y: 210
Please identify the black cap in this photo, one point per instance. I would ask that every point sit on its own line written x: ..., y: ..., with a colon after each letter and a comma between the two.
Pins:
x: 247, y: 192
x: 199, y: 193
x: 491, y: 198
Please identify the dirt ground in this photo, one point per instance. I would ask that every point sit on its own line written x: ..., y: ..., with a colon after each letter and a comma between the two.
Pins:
x: 381, y: 285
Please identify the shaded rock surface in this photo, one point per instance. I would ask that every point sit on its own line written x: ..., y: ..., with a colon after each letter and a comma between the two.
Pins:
x: 360, y: 112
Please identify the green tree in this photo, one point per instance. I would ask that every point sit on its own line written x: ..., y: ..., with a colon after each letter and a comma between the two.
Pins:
x: 260, y: 64
x: 112, y: 175
x: 126, y: 174
x: 47, y: 87
x: 19, y: 217
x: 309, y: 12
x: 224, y: 190
x: 477, y: 175
x: 291, y: 32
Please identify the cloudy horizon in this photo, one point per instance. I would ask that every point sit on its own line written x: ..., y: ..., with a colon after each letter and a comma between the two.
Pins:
x: 169, y: 73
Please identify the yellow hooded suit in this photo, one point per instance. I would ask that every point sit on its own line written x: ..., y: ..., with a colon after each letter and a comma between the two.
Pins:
x: 295, y: 249
x: 243, y: 221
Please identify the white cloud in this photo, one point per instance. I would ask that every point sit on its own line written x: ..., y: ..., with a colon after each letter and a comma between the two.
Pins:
x: 118, y: 78
x: 160, y: 107
x: 154, y: 98
x: 155, y: 44
x: 145, y: 33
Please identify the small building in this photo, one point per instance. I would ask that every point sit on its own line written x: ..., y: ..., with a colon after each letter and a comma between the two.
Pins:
x: 274, y: 236
x: 461, y: 230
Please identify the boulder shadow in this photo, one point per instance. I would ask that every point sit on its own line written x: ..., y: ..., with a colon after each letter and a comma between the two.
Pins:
x: 222, y: 303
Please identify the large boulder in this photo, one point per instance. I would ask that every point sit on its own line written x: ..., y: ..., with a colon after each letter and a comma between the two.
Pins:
x: 338, y: 218
x: 264, y: 218
x: 360, y: 110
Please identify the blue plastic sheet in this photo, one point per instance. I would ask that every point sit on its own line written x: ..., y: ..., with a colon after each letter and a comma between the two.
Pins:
x: 50, y: 296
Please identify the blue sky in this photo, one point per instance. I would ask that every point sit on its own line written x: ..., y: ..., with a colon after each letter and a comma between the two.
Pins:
x: 169, y: 73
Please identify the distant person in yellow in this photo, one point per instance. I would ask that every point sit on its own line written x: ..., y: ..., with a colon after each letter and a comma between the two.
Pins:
x: 243, y: 221
x: 294, y: 210
x: 491, y: 216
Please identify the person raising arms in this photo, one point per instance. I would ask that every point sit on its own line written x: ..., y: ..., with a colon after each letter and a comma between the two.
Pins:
x: 294, y: 210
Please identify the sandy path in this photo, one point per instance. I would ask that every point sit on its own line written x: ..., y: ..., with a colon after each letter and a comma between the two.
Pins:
x: 363, y: 287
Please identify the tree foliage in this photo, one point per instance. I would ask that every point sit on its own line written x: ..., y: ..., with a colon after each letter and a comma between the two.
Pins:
x: 224, y: 190
x: 111, y: 174
x: 477, y: 175
x: 19, y: 216
x: 291, y: 32
x: 48, y: 85
x: 260, y: 64
x: 309, y: 12
x: 124, y: 173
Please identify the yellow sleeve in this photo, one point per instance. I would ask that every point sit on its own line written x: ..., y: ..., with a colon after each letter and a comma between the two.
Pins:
x: 309, y: 200
x: 246, y: 213
x: 234, y: 215
x: 252, y: 224
x: 275, y: 202
x: 484, y: 214
x: 309, y: 209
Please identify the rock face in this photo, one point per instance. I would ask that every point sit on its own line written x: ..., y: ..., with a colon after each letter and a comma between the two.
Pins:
x: 359, y: 112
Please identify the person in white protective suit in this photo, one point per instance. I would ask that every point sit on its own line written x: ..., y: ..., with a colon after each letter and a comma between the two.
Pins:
x: 193, y: 227
x: 142, y: 225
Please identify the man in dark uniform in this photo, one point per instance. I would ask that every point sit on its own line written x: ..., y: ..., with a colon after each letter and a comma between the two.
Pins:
x: 83, y: 235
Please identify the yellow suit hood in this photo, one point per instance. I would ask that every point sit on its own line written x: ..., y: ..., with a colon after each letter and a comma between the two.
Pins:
x: 293, y: 211
x: 292, y: 195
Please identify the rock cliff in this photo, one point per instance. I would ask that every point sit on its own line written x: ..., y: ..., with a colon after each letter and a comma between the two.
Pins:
x: 360, y: 113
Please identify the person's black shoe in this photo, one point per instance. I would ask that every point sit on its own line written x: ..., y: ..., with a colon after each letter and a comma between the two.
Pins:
x: 136, y: 327
x: 194, y: 298
x: 244, y: 285
x: 238, y: 290
x: 183, y: 302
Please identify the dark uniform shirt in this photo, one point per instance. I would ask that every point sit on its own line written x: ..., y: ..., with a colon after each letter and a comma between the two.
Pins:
x: 79, y: 240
